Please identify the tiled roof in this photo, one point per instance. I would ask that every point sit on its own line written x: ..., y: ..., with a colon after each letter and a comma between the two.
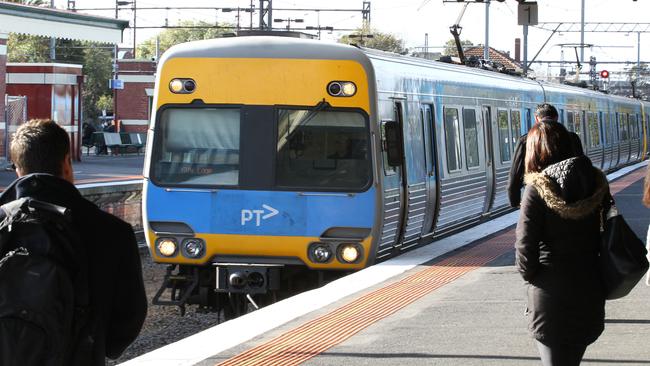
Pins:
x: 495, y: 56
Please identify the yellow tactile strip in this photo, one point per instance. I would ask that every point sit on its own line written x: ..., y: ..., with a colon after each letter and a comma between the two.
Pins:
x: 315, y: 337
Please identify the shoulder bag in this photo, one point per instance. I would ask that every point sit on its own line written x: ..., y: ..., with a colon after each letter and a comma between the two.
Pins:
x: 623, y: 259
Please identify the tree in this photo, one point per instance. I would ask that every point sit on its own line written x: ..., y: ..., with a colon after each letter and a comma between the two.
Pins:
x: 98, y: 69
x: 379, y: 41
x: 105, y: 103
x: 171, y: 37
x: 452, y: 50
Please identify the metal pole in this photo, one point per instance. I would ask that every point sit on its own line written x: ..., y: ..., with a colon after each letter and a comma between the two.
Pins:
x: 582, y: 33
x: 251, y: 8
x: 638, y: 56
x: 525, y: 49
x: 486, y: 53
x: 134, y: 28
x: 52, y: 40
x: 426, y: 45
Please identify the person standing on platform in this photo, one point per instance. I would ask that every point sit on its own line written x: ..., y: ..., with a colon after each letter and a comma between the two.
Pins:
x: 557, y: 245
x: 545, y: 113
x: 40, y: 149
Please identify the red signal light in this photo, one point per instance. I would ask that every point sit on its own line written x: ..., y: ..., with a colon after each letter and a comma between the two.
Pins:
x: 604, y: 74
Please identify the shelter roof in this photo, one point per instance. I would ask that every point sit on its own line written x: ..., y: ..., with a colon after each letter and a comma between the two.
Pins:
x: 48, y: 22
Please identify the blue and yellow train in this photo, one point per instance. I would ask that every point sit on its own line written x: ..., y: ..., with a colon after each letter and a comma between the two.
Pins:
x: 268, y: 155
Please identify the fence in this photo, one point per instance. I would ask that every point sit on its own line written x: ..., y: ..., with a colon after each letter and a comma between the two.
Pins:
x: 16, y: 112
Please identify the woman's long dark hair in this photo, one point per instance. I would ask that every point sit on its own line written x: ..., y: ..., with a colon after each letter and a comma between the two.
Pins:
x: 547, y: 143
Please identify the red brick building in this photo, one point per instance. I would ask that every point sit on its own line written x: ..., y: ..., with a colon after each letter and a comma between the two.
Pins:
x: 133, y: 103
x: 55, y: 23
x: 53, y: 91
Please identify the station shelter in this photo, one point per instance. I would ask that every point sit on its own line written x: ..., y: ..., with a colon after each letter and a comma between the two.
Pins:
x: 55, y: 88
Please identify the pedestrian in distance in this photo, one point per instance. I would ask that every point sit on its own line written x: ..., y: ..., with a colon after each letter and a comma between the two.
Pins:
x: 116, y: 300
x: 557, y: 245
x: 545, y: 113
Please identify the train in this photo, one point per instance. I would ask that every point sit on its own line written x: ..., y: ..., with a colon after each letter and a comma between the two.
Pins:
x: 274, y: 158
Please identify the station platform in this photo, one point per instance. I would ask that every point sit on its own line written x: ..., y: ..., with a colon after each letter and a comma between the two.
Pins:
x: 457, y: 301
x: 96, y: 169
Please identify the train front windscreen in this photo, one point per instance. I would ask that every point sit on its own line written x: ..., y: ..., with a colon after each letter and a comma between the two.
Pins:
x: 233, y: 147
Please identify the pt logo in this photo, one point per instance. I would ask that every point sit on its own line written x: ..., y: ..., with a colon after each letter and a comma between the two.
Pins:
x: 259, y: 215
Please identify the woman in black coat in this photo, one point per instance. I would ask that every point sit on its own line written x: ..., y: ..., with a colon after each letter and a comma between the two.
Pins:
x: 558, y: 234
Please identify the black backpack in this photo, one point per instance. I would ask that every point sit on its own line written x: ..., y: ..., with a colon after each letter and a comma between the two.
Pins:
x: 44, y: 297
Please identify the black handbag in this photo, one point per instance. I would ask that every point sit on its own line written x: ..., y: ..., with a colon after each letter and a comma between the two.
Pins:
x: 623, y: 259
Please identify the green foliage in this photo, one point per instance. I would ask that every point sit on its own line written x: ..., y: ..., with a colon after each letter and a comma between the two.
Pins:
x: 174, y: 36
x: 452, y: 50
x: 98, y: 70
x: 379, y: 41
x: 105, y: 103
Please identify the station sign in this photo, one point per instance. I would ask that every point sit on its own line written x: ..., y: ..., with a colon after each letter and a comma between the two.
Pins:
x: 115, y: 84
x: 527, y: 13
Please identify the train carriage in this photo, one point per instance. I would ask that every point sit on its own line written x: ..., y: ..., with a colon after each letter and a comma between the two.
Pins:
x: 270, y: 155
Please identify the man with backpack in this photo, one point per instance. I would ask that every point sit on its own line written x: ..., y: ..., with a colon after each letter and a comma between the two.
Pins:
x: 71, y: 288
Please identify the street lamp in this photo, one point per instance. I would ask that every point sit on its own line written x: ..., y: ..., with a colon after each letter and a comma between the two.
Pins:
x: 289, y: 20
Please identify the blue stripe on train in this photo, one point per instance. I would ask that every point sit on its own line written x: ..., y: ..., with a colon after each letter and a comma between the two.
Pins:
x: 260, y: 212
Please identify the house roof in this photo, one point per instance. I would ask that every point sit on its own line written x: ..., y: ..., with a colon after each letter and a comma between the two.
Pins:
x: 48, y: 22
x: 496, y: 56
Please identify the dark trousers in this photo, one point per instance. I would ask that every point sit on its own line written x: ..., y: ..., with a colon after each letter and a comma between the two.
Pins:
x: 561, y: 355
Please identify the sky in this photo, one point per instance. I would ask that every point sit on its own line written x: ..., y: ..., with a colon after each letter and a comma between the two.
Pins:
x: 412, y: 19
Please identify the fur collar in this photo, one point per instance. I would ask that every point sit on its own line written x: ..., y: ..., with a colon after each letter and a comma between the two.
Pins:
x: 549, y: 192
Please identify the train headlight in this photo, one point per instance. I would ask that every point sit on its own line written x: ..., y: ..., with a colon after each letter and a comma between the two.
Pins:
x: 320, y: 253
x: 167, y: 247
x: 193, y: 248
x: 349, y: 253
x: 341, y: 88
x: 182, y: 86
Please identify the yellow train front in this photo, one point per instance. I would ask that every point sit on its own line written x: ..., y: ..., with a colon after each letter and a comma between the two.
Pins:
x: 259, y: 164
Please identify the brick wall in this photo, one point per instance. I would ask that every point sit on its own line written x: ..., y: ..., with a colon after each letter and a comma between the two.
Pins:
x: 133, y: 102
x: 124, y: 201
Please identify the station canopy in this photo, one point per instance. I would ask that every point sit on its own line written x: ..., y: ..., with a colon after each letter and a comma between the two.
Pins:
x: 54, y: 23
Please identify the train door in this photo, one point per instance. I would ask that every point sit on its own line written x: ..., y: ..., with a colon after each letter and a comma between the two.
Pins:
x: 393, y: 162
x: 414, y: 174
x: 489, y: 158
x: 431, y: 171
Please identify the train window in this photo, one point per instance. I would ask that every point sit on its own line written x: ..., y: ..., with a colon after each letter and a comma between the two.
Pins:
x: 504, y: 135
x: 322, y: 149
x: 631, y: 122
x: 623, y: 127
x: 593, y: 130
x: 452, y: 139
x: 529, y: 119
x: 607, y: 135
x: 562, y: 116
x: 199, y: 147
x: 569, y: 118
x: 577, y: 124
x: 515, y: 123
x: 471, y: 137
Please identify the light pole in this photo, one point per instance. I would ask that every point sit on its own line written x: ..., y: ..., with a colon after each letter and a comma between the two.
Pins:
x: 119, y: 3
x: 289, y: 20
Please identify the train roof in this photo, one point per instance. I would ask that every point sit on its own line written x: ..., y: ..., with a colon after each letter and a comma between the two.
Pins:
x: 264, y: 47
